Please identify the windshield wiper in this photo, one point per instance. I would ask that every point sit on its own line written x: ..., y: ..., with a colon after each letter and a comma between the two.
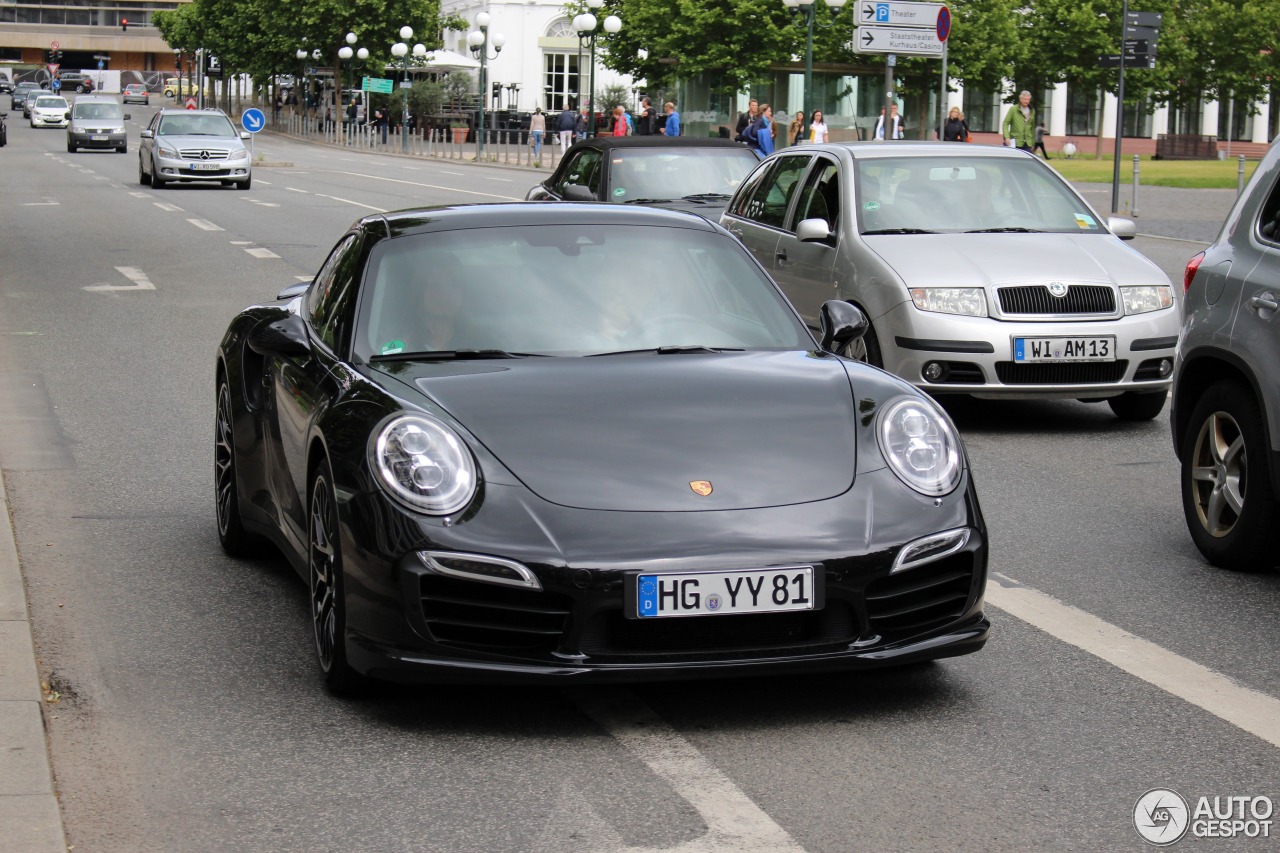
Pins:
x: 706, y: 196
x: 672, y: 350
x: 1017, y: 229
x: 442, y: 354
x: 898, y: 231
x: 647, y: 201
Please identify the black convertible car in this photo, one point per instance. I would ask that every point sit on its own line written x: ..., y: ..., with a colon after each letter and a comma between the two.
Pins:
x: 497, y: 448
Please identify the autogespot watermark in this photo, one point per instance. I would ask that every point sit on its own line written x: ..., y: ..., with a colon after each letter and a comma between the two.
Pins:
x: 1163, y: 817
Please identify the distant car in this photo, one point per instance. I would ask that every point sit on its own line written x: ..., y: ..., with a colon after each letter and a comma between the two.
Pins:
x: 981, y: 270
x: 19, y: 94
x: 193, y: 145
x: 175, y: 88
x: 6, y: 85
x: 97, y: 121
x: 74, y: 81
x: 29, y: 100
x: 498, y: 448
x: 683, y: 173
x: 1226, y: 400
x: 136, y: 93
x: 50, y: 111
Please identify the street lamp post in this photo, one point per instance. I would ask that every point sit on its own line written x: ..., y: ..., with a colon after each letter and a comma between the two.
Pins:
x: 585, y: 25
x: 479, y: 41
x: 401, y: 49
x: 809, y: 8
x: 302, y: 76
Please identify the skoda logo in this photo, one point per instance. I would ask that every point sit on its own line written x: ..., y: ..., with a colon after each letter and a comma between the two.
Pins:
x: 1057, y: 289
x: 204, y: 155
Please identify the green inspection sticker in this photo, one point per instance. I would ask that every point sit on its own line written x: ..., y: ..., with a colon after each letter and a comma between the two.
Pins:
x: 392, y: 347
x: 871, y: 205
x: 619, y: 192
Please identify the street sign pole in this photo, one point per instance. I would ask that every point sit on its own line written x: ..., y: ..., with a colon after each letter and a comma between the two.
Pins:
x: 1115, y: 167
x: 942, y: 95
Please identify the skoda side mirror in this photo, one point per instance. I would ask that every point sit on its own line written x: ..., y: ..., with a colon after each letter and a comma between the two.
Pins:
x: 842, y: 324
x: 1125, y: 229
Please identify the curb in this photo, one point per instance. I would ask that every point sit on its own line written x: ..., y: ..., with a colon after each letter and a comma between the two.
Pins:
x: 30, y: 818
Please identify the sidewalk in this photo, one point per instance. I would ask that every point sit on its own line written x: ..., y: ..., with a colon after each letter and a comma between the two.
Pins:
x: 30, y: 820
x: 1194, y: 215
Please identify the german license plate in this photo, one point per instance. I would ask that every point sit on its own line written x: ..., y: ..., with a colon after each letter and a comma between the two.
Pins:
x: 205, y: 167
x: 715, y: 593
x: 98, y: 138
x: 1058, y: 349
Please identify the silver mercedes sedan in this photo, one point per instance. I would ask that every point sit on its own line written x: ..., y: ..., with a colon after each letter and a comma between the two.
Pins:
x: 193, y: 145
x: 982, y: 271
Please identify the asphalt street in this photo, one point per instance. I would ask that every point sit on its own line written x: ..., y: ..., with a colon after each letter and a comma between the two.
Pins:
x: 190, y: 716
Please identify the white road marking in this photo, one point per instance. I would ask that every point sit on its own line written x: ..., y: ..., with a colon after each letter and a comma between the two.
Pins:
x: 164, y: 205
x: 1243, y: 707
x: 356, y: 203
x: 140, y: 195
x: 304, y: 278
x: 242, y: 242
x: 41, y: 203
x: 259, y: 202
x: 504, y: 180
x: 734, y: 822
x: 431, y: 186
x: 1175, y: 239
x: 296, y: 190
x: 135, y: 275
x: 205, y: 225
x: 262, y: 253
x: 265, y: 183
x: 101, y: 178
x: 443, y: 172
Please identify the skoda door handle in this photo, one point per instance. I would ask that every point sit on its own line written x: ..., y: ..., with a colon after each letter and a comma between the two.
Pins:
x: 780, y: 256
x: 1264, y: 302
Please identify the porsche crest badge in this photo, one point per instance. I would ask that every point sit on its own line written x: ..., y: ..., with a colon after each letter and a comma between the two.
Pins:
x: 700, y: 487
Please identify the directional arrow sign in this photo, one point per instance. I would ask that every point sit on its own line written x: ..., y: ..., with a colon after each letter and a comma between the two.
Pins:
x: 1144, y: 19
x: 908, y: 40
x: 898, y: 14
x: 1148, y: 33
x: 253, y: 120
x: 1112, y: 60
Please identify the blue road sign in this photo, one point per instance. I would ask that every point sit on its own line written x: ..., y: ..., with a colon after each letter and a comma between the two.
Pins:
x: 253, y: 120
x: 882, y: 13
x: 944, y: 23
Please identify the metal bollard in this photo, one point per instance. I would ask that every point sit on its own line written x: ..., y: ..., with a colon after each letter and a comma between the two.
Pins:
x: 1240, y: 176
x: 1133, y: 207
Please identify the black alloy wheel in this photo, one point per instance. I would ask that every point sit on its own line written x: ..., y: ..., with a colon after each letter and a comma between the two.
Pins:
x: 1138, y: 405
x: 235, y: 540
x: 324, y: 569
x: 143, y: 177
x: 1228, y: 498
x: 865, y: 349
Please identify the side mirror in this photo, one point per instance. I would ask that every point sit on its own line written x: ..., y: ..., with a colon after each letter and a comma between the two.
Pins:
x: 812, y: 231
x: 147, y: 134
x: 1125, y: 229
x: 294, y: 290
x: 128, y: 117
x: 285, y: 337
x: 842, y: 323
x: 68, y: 115
x: 244, y: 134
x: 577, y: 192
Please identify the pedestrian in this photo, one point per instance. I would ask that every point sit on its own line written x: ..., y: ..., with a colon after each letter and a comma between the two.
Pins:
x: 647, y: 124
x: 746, y: 119
x: 895, y: 123
x: 380, y: 121
x: 818, y: 132
x: 276, y: 106
x: 795, y: 130
x: 537, y: 127
x: 565, y: 124
x: 956, y: 129
x: 619, y: 122
x: 759, y: 133
x: 580, y: 124
x: 672, y: 127
x: 1019, y: 123
x: 1039, y: 146
x: 631, y: 125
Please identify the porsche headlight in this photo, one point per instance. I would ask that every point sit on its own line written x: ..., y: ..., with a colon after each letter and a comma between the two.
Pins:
x: 1140, y: 300
x: 920, y: 446
x: 970, y: 301
x: 423, y: 463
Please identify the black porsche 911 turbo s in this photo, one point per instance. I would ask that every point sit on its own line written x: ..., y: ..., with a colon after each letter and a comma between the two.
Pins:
x: 498, y: 448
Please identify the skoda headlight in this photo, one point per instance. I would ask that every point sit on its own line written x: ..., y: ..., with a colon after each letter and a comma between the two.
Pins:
x: 1140, y: 300
x: 920, y: 446
x: 970, y: 301
x: 424, y: 464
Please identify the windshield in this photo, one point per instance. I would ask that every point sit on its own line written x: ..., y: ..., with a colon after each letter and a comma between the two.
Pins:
x: 962, y: 194
x: 569, y: 290
x: 51, y: 103
x: 196, y: 125
x: 667, y: 173
x: 97, y: 110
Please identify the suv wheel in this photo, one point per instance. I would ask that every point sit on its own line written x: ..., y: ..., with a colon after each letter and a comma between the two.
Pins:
x: 1227, y: 495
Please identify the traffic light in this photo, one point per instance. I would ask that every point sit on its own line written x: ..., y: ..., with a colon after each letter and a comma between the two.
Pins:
x: 124, y: 25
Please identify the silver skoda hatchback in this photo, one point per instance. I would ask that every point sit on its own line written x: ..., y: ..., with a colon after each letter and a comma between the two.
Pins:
x: 982, y: 271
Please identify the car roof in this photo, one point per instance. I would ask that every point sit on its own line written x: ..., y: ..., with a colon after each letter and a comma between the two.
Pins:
x: 658, y: 142
x: 95, y: 99
x: 400, y: 223
x: 867, y: 150
x: 179, y: 111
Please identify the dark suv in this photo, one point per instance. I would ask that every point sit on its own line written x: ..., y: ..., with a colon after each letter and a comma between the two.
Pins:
x: 1226, y: 398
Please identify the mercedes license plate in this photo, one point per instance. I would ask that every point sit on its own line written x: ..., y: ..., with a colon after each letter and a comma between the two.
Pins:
x: 714, y: 593
x: 1059, y: 349
x: 205, y: 167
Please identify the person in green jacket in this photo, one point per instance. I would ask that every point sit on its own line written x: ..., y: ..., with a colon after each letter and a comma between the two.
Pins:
x: 1020, y: 123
